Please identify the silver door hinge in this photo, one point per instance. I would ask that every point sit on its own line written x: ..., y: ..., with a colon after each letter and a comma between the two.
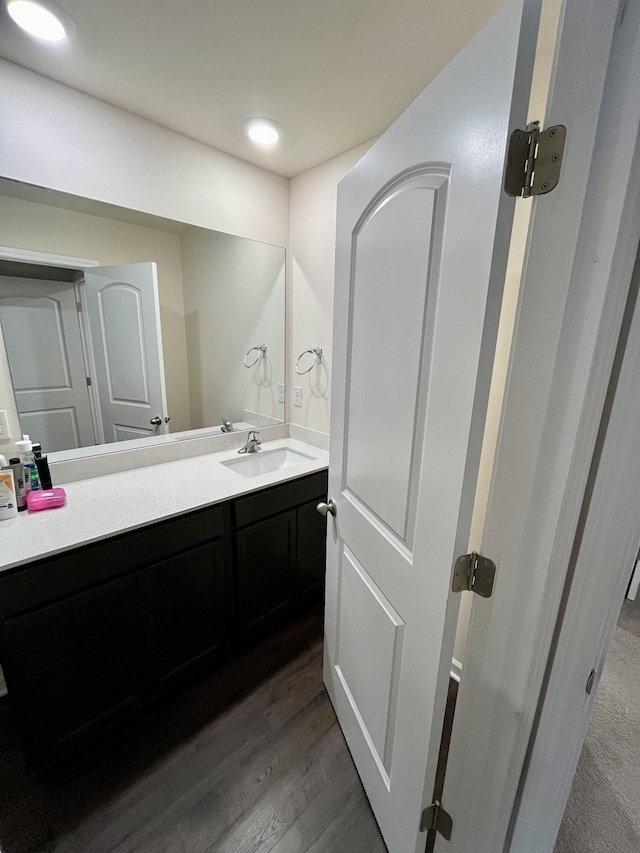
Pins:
x: 435, y: 818
x: 79, y: 305
x: 475, y: 573
x: 89, y: 380
x: 534, y: 158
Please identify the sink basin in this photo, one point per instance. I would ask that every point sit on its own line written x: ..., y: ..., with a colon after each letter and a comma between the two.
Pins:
x: 266, y: 461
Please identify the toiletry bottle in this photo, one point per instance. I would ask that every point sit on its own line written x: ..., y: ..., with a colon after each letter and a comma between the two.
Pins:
x: 42, y: 464
x: 17, y: 467
x: 8, y: 502
x: 31, y: 476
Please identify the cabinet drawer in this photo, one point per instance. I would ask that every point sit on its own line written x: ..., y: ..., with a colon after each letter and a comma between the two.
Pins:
x: 39, y: 583
x: 154, y: 543
x: 278, y: 499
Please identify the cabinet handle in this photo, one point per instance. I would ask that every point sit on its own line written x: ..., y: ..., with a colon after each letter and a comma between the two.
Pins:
x: 324, y: 508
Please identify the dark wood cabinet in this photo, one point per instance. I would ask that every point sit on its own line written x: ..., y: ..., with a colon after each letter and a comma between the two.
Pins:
x: 265, y: 554
x: 76, y: 664
x: 88, y: 636
x: 310, y: 548
x: 183, y: 610
x: 276, y: 531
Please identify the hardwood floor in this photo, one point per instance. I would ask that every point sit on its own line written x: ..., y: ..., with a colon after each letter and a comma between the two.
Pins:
x: 249, y: 759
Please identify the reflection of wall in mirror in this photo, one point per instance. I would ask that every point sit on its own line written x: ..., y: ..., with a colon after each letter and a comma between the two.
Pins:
x: 43, y: 228
x: 7, y: 404
x: 243, y: 282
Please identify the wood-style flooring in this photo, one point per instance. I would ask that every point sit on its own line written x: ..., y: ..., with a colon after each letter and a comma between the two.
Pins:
x: 249, y: 759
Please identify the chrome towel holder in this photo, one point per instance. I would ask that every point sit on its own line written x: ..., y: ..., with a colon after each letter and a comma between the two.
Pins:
x: 262, y: 353
x: 316, y: 352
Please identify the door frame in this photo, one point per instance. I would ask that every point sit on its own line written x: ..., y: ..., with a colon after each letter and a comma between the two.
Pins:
x: 581, y: 250
x: 89, y: 358
x: 46, y: 259
x: 603, y: 555
x: 634, y: 583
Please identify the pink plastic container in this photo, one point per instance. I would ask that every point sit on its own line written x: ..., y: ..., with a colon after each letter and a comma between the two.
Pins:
x: 46, y: 499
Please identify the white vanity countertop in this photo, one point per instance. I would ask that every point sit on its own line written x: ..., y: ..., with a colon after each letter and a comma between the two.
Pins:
x: 109, y: 505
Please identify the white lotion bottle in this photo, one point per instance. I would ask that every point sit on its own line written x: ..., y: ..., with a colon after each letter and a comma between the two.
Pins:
x: 8, y: 499
x: 31, y: 476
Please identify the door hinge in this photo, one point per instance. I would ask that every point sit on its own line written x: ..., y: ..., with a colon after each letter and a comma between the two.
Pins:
x: 79, y: 305
x: 475, y: 573
x: 534, y: 158
x: 435, y: 818
x: 89, y: 380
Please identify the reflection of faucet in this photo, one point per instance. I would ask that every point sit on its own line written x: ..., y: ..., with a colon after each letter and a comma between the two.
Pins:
x: 253, y: 443
x: 226, y: 427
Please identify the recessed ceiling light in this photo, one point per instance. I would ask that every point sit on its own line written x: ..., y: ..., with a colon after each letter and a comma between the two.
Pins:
x: 43, y: 20
x: 262, y: 131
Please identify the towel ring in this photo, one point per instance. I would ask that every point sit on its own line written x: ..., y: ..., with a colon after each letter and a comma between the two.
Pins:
x: 317, y: 352
x: 262, y: 352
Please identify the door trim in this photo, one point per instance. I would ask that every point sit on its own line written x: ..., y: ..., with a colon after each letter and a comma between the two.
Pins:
x: 47, y: 259
x: 569, y: 313
x: 609, y: 521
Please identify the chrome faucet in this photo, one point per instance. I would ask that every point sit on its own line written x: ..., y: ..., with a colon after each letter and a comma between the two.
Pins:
x: 253, y: 443
x: 227, y: 426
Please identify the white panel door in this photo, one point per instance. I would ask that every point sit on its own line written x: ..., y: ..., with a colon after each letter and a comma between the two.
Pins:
x: 123, y: 311
x: 422, y: 242
x: 42, y: 335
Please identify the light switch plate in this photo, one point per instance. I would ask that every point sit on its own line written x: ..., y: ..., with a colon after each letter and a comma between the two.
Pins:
x: 281, y: 392
x: 4, y: 426
x: 297, y: 395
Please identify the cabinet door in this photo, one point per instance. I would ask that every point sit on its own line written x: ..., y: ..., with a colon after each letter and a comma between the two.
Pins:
x: 182, y: 609
x: 77, y: 664
x: 265, y: 555
x: 311, y: 548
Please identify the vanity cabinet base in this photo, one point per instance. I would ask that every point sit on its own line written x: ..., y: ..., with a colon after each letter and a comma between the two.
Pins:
x: 89, y: 637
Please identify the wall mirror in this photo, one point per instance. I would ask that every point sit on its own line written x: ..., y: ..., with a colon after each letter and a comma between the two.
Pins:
x: 121, y: 326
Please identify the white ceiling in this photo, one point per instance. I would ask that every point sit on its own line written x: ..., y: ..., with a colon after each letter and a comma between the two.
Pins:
x: 334, y: 73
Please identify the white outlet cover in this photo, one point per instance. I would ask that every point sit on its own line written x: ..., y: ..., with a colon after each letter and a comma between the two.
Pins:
x: 297, y: 395
x: 4, y: 426
x: 281, y: 392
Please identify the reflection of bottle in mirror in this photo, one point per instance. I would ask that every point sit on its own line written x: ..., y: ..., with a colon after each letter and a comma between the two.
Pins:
x: 18, y: 479
x: 42, y: 464
x: 31, y: 476
x: 8, y: 502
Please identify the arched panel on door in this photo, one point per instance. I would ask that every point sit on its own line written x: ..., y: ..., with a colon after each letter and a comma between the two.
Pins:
x: 396, y: 252
x: 32, y: 325
x: 123, y: 342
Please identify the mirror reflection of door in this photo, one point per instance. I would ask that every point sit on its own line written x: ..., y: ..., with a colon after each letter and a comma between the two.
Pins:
x: 123, y: 313
x: 44, y: 347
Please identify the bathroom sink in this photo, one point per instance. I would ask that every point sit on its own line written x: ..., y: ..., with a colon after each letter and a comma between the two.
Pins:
x: 266, y: 461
